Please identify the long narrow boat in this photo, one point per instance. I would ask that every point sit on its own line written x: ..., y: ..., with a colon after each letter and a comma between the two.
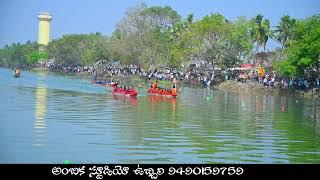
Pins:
x: 129, y: 93
x: 153, y: 93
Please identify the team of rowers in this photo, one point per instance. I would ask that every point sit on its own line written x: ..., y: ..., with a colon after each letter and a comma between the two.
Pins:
x: 124, y: 89
x: 154, y: 89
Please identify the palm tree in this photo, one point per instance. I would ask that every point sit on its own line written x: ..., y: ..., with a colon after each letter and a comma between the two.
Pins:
x: 260, y: 31
x: 283, y: 31
x: 190, y: 18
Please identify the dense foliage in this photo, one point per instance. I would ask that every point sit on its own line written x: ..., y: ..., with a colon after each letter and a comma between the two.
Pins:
x: 214, y: 40
x: 79, y: 49
x: 302, y: 52
x: 19, y: 54
x: 159, y: 36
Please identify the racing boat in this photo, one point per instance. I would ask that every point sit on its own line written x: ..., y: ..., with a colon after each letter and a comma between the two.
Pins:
x: 121, y: 91
x: 152, y: 92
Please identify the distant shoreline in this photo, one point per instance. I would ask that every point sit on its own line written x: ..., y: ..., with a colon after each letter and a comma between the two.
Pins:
x: 253, y: 88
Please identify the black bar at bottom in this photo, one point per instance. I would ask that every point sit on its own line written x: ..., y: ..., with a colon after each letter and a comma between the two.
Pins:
x: 158, y: 171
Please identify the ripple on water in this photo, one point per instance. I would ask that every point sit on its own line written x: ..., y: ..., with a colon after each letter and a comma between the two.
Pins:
x: 47, y: 118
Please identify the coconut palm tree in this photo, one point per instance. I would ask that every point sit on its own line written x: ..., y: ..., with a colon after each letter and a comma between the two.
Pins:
x: 190, y: 18
x: 283, y: 31
x: 260, y: 31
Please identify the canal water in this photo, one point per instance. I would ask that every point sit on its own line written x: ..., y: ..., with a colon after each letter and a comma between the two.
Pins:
x: 52, y: 118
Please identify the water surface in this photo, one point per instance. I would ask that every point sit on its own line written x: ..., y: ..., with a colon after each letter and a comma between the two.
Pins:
x: 50, y: 118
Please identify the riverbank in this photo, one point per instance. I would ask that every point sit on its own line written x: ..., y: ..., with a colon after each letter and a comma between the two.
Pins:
x: 229, y: 85
x: 256, y: 88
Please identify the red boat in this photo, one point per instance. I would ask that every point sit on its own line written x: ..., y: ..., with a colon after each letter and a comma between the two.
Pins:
x: 152, y: 92
x: 121, y: 91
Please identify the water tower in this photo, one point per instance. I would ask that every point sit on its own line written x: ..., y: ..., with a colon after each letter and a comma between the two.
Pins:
x: 44, y: 28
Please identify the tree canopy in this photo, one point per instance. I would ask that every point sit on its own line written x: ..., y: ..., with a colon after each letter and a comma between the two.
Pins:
x: 303, y: 49
x: 260, y: 31
x: 159, y: 36
x: 79, y: 49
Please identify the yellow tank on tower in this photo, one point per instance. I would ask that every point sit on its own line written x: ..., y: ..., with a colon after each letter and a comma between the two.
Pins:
x: 44, y: 28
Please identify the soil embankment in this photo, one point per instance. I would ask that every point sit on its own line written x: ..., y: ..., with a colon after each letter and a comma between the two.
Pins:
x: 256, y: 88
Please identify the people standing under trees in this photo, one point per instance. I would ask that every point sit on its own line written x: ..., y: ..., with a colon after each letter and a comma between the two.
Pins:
x: 290, y: 83
x: 253, y: 74
x: 272, y: 81
x: 306, y: 85
x: 261, y: 74
x: 265, y: 81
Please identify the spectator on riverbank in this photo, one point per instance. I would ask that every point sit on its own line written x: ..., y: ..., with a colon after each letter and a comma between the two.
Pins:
x: 194, y: 76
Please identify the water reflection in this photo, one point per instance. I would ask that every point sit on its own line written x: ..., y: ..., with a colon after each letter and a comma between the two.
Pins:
x: 173, y: 105
x: 313, y: 110
x: 163, y: 103
x: 126, y: 100
x: 199, y: 126
x: 283, y: 104
x: 40, y: 113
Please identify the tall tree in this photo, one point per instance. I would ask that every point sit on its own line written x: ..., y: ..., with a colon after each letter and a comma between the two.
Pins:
x: 179, y: 40
x: 161, y: 18
x: 143, y: 35
x: 303, y: 51
x: 260, y: 31
x: 284, y: 31
x: 214, y: 40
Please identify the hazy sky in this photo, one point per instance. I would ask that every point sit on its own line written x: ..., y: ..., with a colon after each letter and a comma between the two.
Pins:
x: 18, y: 18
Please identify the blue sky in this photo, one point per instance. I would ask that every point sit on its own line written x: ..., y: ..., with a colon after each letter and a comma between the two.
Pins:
x: 18, y: 22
